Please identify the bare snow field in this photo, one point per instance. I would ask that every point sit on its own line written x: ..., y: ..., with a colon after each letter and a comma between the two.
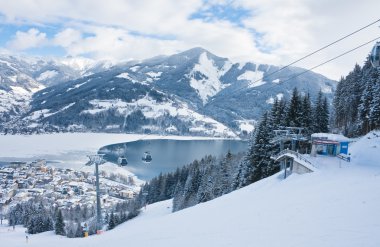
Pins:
x: 336, y: 206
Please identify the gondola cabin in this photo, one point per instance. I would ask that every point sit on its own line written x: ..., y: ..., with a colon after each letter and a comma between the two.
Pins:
x: 375, y: 55
x: 147, y: 157
x: 122, y: 161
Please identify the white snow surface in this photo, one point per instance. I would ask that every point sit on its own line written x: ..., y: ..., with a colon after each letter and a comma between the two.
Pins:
x: 270, y: 100
x: 246, y: 125
x: 333, y: 137
x: 153, y: 109
x: 210, y: 85
x: 126, y: 75
x: 254, y: 78
x: 280, y: 96
x: 77, y: 86
x: 336, y: 206
x: 155, y: 75
x: 47, y: 75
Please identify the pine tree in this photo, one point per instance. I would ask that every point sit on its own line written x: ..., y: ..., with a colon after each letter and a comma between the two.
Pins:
x: 321, y: 114
x: 111, y: 223
x: 306, y: 113
x: 59, y: 224
x: 293, y: 116
x: 374, y: 114
x: 260, y: 161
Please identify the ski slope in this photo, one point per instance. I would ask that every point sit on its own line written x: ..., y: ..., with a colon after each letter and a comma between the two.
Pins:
x: 336, y: 206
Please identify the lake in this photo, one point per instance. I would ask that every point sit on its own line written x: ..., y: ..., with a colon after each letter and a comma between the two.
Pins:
x: 167, y: 154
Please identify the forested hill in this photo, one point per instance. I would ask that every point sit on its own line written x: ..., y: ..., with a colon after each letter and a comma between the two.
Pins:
x: 357, y: 101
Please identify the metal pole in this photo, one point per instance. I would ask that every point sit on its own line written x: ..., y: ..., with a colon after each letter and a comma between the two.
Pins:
x: 98, y: 209
x: 97, y: 160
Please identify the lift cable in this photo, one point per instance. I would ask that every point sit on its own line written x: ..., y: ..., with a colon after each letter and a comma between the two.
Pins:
x: 314, y: 52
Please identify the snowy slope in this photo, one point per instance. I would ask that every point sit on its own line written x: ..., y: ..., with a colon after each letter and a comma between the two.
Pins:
x: 204, y: 78
x: 337, y: 206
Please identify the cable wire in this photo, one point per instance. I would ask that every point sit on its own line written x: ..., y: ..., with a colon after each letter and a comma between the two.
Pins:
x: 331, y: 59
x: 320, y: 49
x: 312, y: 53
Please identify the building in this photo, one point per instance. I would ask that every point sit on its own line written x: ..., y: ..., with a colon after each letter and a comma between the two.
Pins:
x: 329, y: 144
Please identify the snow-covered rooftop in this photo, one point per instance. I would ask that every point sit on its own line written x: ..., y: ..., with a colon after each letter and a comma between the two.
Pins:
x: 332, y: 137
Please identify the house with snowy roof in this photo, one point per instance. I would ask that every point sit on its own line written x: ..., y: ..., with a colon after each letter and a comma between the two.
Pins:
x: 329, y: 144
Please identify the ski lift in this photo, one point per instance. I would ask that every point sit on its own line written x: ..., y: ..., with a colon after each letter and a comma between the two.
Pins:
x: 147, y: 157
x: 122, y: 161
x: 375, y: 55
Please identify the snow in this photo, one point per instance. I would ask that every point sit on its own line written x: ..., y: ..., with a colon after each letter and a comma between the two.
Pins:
x: 153, y: 109
x: 326, y: 89
x: 19, y: 90
x: 246, y: 125
x: 336, y: 206
x: 13, y: 78
x: 104, y: 105
x: 135, y: 68
x: 47, y: 75
x: 280, y: 96
x: 209, y: 85
x: 333, y: 137
x: 46, y: 112
x: 254, y: 78
x: 125, y: 75
x: 241, y: 65
x: 155, y: 75
x: 76, y: 86
x: 110, y: 168
x: 78, y: 63
x: 270, y: 100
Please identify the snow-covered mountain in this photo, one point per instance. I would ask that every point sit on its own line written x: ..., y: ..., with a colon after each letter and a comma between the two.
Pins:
x: 192, y: 92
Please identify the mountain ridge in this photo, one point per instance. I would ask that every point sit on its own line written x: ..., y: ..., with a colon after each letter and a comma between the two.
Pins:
x: 216, y: 96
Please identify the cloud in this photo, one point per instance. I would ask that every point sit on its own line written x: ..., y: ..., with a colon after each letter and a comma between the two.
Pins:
x: 67, y: 37
x: 274, y: 32
x: 26, y: 40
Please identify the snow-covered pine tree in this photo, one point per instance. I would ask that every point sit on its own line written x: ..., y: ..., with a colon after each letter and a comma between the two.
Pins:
x: 111, y: 222
x: 260, y: 161
x: 365, y: 107
x: 59, y: 224
x: 293, y: 114
x: 374, y: 114
x: 321, y: 114
x: 306, y: 113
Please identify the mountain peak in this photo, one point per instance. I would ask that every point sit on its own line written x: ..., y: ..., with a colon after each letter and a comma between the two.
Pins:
x: 195, y: 52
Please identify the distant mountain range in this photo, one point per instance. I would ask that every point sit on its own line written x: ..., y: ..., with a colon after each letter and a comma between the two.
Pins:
x: 190, y: 93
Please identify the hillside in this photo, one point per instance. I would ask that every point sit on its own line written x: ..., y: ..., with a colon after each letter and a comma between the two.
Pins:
x: 190, y: 93
x: 335, y: 206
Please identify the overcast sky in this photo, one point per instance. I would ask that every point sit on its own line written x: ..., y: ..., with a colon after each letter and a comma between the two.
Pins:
x: 263, y: 31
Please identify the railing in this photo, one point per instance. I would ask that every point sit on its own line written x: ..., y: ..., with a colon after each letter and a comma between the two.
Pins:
x: 344, y: 157
x: 287, y: 151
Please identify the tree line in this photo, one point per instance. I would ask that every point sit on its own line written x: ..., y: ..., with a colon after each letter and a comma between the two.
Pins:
x: 357, y: 101
x: 211, y: 177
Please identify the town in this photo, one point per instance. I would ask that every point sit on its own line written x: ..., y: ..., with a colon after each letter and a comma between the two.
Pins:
x: 22, y: 181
